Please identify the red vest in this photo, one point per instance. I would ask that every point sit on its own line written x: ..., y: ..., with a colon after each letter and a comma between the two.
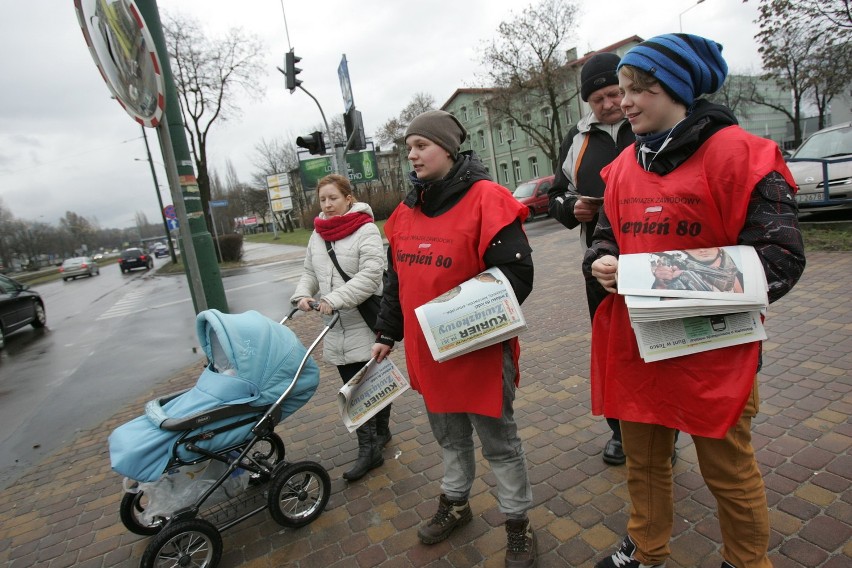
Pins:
x: 431, y: 256
x: 702, y: 203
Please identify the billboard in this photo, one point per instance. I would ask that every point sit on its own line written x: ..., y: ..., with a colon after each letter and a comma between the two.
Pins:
x: 361, y: 168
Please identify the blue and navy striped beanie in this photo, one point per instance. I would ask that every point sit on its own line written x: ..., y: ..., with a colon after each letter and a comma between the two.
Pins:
x: 686, y: 65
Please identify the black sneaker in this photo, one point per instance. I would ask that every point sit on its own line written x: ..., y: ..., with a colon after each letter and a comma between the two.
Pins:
x: 623, y: 558
x: 450, y: 514
x: 726, y: 564
x: 521, y: 545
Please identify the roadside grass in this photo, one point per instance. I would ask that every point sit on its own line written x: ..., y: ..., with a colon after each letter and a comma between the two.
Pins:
x: 827, y: 236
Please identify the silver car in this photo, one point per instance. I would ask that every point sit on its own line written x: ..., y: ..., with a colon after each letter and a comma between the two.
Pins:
x: 826, y: 153
x: 78, y: 266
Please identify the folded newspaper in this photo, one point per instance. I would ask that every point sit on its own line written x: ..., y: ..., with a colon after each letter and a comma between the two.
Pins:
x: 371, y: 389
x: 689, y: 301
x: 477, y: 313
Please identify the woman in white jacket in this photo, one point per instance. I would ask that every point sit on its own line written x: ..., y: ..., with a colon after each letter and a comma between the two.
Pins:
x: 348, y: 226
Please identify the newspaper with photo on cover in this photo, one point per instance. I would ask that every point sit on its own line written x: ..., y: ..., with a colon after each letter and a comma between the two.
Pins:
x: 728, y: 274
x: 370, y: 390
x: 689, y: 301
x: 477, y: 313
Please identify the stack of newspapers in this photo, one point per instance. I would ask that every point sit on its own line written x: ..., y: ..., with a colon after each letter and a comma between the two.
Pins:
x: 688, y: 301
x: 477, y: 313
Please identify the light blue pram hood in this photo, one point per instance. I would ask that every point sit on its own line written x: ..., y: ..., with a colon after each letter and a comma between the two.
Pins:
x: 264, y: 357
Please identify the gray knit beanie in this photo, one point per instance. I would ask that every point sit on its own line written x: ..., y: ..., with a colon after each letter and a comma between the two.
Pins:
x: 440, y: 127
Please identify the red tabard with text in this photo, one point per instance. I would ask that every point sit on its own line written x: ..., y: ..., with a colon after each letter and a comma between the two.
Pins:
x: 431, y: 256
x: 702, y: 203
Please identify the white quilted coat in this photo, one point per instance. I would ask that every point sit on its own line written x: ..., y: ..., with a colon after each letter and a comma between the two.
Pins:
x: 361, y: 255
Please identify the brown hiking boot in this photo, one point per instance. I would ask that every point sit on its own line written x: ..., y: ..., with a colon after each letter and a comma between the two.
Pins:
x: 520, y: 546
x: 450, y: 514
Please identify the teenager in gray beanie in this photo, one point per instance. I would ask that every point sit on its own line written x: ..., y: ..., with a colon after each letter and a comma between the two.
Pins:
x: 441, y: 127
x: 453, y: 224
x: 694, y: 180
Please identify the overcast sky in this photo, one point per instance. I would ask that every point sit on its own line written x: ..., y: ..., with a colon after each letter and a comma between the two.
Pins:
x: 66, y: 146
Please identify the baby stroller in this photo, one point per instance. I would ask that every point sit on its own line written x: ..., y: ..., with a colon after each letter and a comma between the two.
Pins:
x: 202, y: 460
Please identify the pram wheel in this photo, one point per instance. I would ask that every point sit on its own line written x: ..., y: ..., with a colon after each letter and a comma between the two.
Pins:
x: 195, y: 542
x: 299, y: 493
x: 132, y: 507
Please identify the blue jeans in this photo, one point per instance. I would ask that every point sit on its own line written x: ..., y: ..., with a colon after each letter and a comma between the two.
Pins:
x: 501, y: 446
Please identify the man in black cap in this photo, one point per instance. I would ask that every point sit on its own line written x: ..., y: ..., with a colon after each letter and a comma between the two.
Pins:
x: 578, y: 189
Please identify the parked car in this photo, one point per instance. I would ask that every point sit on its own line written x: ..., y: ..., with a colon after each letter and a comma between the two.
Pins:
x: 135, y: 258
x: 19, y: 306
x: 161, y: 250
x: 831, y: 146
x: 533, y: 194
x: 78, y: 266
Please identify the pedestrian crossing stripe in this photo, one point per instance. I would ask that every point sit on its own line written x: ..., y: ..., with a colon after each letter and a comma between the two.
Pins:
x: 128, y: 304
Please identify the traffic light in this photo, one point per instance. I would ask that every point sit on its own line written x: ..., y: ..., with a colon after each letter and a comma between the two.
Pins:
x: 313, y: 142
x: 353, y: 123
x: 290, y: 70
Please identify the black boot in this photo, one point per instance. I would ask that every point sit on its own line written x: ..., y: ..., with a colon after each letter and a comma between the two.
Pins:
x: 369, y: 452
x: 382, y: 428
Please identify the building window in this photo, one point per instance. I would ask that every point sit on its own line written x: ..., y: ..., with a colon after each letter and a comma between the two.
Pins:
x: 504, y: 171
x: 511, y: 125
x: 528, y: 121
x: 477, y: 108
x: 517, y: 164
x: 500, y: 135
x: 545, y: 117
x: 464, y: 114
x: 481, y: 136
x: 533, y: 163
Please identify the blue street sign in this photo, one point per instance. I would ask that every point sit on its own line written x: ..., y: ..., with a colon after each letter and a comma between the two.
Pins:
x: 219, y: 203
x: 173, y: 224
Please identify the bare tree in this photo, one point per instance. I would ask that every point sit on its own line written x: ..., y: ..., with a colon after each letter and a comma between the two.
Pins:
x: 737, y: 93
x: 208, y: 72
x: 392, y: 131
x: 526, y: 65
x: 80, y: 229
x: 805, y: 48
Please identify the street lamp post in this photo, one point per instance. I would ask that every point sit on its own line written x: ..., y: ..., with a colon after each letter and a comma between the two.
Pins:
x: 680, y: 16
x: 159, y: 197
x: 512, y: 158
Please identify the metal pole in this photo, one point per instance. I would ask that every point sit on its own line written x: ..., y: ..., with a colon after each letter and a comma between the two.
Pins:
x: 159, y: 197
x: 215, y: 234
x: 187, y: 246
x: 512, y: 158
x: 337, y: 157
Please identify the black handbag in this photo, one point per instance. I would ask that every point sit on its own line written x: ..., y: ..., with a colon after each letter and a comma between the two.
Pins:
x: 369, y: 309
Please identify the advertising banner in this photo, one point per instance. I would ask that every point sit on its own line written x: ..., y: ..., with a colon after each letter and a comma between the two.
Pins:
x: 362, y: 168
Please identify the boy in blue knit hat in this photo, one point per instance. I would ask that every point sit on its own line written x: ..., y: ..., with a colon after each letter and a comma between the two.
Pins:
x: 693, y: 179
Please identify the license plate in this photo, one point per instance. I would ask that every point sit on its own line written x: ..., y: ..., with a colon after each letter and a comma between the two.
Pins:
x: 809, y: 197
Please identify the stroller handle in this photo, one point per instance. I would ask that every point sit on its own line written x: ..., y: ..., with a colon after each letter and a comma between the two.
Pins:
x: 262, y: 423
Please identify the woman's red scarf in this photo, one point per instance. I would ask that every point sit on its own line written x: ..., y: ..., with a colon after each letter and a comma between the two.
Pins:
x: 339, y: 226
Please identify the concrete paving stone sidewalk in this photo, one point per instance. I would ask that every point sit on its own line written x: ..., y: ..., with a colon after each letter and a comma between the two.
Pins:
x: 64, y: 511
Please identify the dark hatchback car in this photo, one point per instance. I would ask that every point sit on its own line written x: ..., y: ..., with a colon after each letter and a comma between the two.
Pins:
x: 135, y: 258
x: 19, y: 306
